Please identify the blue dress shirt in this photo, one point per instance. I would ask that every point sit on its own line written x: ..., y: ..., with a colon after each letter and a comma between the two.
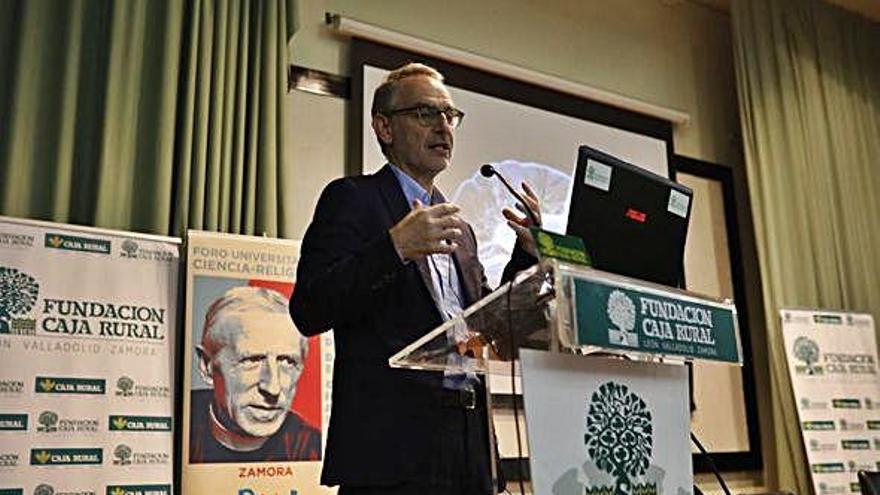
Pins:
x: 444, y: 275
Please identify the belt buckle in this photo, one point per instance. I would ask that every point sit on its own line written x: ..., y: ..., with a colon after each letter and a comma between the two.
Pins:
x: 468, y: 399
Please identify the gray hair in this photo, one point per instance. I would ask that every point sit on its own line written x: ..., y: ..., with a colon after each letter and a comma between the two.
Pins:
x: 238, y: 300
x: 383, y: 97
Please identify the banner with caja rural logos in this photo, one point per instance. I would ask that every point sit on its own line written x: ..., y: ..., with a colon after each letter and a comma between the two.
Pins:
x: 832, y: 361
x: 87, y: 332
x: 256, y: 393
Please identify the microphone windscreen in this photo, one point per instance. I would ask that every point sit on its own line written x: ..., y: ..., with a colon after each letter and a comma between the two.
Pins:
x: 487, y: 170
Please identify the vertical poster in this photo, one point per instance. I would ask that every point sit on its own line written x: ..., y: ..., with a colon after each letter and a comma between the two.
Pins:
x: 832, y: 361
x: 256, y: 392
x: 87, y: 333
x: 606, y: 426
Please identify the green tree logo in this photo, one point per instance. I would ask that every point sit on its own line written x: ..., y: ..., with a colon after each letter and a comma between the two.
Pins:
x: 622, y: 313
x: 123, y: 455
x: 807, y: 351
x: 48, y: 421
x: 129, y: 248
x: 44, y: 490
x: 124, y: 386
x: 18, y: 294
x: 619, y: 436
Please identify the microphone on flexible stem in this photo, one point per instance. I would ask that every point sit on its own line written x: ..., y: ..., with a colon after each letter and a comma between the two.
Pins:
x: 488, y: 171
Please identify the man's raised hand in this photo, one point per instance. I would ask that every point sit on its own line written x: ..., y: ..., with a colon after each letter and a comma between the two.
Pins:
x: 521, y: 223
x: 427, y: 230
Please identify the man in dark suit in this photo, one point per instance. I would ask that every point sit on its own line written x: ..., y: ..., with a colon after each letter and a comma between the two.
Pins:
x: 385, y: 260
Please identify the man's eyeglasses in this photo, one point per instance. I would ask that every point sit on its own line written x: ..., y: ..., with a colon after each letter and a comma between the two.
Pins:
x: 430, y: 116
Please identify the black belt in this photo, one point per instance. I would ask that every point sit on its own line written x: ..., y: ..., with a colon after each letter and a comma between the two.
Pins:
x: 461, y: 398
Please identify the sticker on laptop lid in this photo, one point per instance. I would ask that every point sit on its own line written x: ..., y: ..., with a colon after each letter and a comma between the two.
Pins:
x: 598, y: 175
x: 678, y: 203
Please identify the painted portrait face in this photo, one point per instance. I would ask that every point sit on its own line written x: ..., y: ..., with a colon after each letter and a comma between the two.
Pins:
x: 255, y: 373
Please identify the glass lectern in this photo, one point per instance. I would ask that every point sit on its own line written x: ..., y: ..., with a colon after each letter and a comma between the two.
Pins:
x: 557, y: 306
x: 570, y: 310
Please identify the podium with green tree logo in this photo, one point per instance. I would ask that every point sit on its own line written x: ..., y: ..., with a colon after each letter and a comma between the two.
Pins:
x: 601, y: 360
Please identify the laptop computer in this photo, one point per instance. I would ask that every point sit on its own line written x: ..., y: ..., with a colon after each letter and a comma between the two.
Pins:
x: 633, y: 222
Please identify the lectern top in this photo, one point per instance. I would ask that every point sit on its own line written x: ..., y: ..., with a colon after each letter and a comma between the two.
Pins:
x: 568, y: 308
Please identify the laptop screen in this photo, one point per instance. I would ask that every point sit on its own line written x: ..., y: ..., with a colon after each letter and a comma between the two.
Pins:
x: 633, y: 222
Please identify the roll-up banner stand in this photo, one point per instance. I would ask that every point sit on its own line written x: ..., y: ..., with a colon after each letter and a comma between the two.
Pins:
x: 87, y: 333
x: 832, y: 361
x: 256, y: 394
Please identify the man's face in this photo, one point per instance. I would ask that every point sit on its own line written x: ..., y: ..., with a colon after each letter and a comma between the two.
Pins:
x: 255, y: 376
x: 423, y: 151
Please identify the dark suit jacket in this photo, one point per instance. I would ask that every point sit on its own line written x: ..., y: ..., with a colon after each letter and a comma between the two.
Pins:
x: 351, y: 279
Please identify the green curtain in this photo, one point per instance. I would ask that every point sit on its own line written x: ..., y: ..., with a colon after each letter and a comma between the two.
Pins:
x: 146, y: 115
x: 808, y: 78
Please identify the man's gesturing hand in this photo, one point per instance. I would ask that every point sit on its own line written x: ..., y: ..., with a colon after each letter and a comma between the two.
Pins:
x: 521, y: 224
x: 427, y: 230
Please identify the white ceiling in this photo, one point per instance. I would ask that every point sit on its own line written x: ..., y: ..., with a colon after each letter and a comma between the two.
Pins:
x: 867, y: 8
